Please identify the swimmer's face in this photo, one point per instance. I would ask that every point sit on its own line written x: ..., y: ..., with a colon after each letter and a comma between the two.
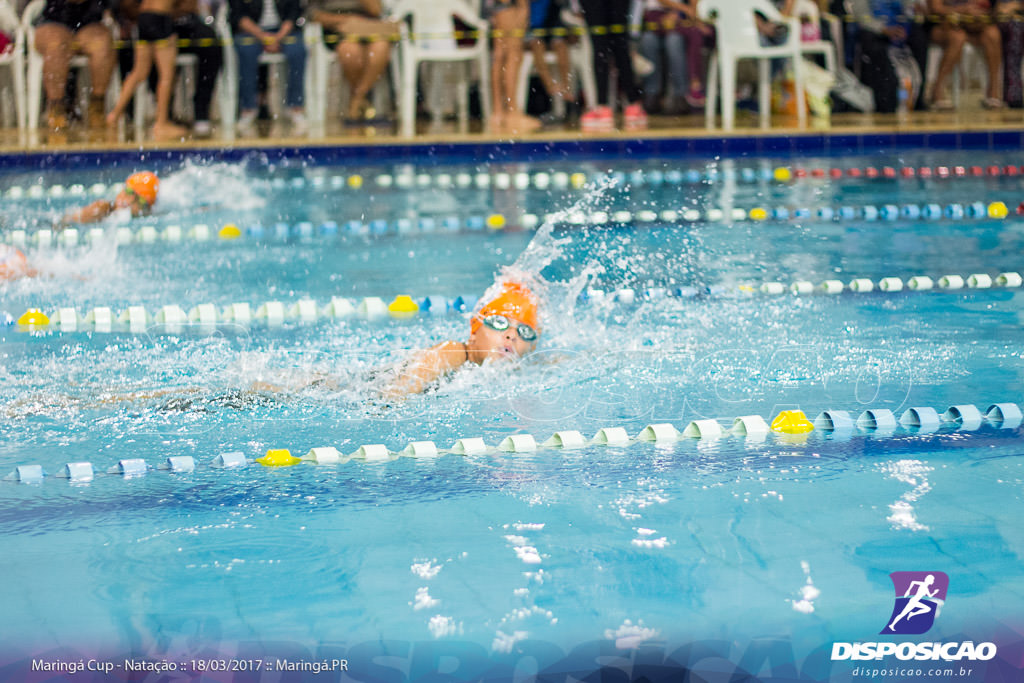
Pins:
x: 488, y: 342
x: 126, y: 199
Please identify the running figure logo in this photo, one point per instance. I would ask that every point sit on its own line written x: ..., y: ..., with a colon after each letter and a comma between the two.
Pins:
x: 918, y: 598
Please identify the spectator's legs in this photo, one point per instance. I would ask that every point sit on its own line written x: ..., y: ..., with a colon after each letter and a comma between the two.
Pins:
x: 951, y: 39
x: 695, y: 37
x: 1013, y: 54
x: 53, y: 42
x: 618, y: 11
x: 650, y: 48
x: 595, y: 13
x: 249, y: 51
x: 991, y: 44
x: 138, y: 74
x: 210, y: 59
x: 877, y: 71
x: 918, y: 40
x: 96, y: 43
x: 540, y: 65
x: 352, y: 57
x: 294, y: 50
x: 675, y: 56
x: 610, y: 47
x: 165, y: 54
x: 363, y: 63
x: 509, y: 25
x: 560, y: 47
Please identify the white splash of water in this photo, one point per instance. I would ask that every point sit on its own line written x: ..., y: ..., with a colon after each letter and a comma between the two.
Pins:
x: 808, y: 592
x: 913, y: 473
x: 630, y: 636
x: 423, y: 599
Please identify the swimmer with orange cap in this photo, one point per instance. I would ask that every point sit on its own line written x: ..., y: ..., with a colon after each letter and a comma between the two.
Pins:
x: 13, y: 264
x: 506, y: 327
x: 138, y: 194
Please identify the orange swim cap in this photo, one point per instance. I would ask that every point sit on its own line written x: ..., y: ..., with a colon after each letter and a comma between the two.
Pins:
x: 145, y: 184
x: 515, y: 301
x: 12, y: 263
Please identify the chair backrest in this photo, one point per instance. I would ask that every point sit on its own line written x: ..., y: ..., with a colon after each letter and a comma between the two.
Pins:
x: 807, y: 9
x: 738, y: 17
x: 28, y: 20
x: 431, y: 22
x: 9, y: 21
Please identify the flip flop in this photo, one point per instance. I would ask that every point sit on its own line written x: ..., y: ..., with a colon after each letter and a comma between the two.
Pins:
x: 993, y: 103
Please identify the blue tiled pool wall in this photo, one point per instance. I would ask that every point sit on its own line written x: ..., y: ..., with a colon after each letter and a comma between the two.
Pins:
x: 497, y: 152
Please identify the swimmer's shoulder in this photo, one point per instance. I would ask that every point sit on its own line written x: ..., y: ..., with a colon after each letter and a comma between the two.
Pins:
x: 450, y: 354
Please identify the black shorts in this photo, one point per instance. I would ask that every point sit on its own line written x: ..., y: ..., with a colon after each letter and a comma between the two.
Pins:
x: 153, y: 26
x: 73, y: 15
x: 332, y: 37
x: 551, y: 27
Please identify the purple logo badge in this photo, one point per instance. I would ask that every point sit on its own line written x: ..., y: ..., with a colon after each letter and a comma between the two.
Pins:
x: 919, y: 595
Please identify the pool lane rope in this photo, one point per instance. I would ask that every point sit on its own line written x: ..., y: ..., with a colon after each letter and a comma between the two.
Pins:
x: 307, y: 311
x: 46, y: 238
x: 562, y: 180
x: 790, y: 427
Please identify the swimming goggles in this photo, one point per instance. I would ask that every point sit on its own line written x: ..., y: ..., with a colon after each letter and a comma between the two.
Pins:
x: 132, y: 193
x: 500, y: 323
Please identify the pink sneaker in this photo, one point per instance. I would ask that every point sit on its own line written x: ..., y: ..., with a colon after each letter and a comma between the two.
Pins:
x: 636, y: 117
x: 598, y: 120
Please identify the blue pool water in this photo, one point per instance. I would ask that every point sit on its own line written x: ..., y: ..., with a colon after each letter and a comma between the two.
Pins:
x: 762, y: 551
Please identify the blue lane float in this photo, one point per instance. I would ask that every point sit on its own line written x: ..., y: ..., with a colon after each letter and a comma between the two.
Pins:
x: 789, y: 427
x: 175, y: 318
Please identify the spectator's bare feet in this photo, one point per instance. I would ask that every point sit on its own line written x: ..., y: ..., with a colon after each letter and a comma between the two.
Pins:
x: 356, y: 110
x: 168, y: 131
x: 497, y: 122
x: 95, y: 115
x: 56, y: 124
x: 518, y: 122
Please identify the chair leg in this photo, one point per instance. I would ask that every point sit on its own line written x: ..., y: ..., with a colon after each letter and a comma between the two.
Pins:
x: 35, y: 90
x: 463, y: 103
x: 801, y: 93
x: 19, y: 92
x: 485, y: 87
x: 141, y: 97
x: 764, y: 92
x: 728, y: 92
x: 408, y: 97
x: 712, y: 94
x: 523, y: 80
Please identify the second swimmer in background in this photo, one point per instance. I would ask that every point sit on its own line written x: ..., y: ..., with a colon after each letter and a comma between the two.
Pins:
x: 138, y: 196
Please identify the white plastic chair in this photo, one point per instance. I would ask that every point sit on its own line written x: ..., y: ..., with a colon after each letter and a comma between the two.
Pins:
x: 826, y: 48
x: 738, y: 38
x: 228, y: 91
x: 431, y: 39
x: 581, y: 63
x: 34, y: 79
x: 15, y: 59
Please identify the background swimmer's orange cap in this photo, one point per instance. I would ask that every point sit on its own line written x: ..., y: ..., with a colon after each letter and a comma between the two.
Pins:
x: 12, y: 263
x: 515, y: 301
x: 145, y: 184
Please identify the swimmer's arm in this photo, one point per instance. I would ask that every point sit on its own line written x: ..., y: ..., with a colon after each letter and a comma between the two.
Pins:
x: 92, y: 213
x: 426, y: 367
